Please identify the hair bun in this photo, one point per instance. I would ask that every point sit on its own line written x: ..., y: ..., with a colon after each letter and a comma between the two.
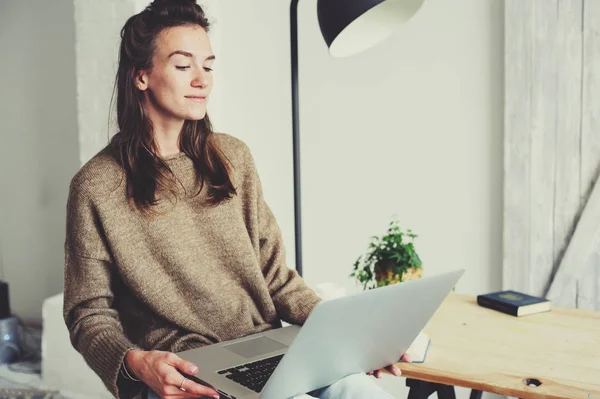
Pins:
x: 168, y: 12
x: 165, y: 3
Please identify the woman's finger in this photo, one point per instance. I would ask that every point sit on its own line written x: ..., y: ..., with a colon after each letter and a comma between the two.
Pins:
x: 177, y: 378
x: 395, y: 370
x: 172, y: 381
x: 406, y: 358
x: 171, y: 392
x: 192, y: 389
x: 195, y: 390
x: 182, y: 365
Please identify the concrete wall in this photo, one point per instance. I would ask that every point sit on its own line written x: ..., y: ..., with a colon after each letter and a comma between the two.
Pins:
x: 38, y: 146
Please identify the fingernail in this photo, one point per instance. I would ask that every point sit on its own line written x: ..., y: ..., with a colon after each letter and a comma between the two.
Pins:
x: 216, y: 396
x: 192, y: 369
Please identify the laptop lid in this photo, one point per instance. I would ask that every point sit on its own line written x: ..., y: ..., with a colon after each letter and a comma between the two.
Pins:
x: 357, y: 333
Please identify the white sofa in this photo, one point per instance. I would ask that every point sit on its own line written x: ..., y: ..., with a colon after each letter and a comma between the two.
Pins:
x: 63, y: 368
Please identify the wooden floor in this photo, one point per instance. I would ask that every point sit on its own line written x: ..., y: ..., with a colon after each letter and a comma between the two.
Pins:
x: 13, y: 380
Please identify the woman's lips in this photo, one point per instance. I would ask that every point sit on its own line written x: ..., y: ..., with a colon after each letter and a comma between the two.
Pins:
x: 196, y: 98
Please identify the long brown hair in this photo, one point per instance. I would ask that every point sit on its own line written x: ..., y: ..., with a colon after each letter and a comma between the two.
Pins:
x: 134, y: 146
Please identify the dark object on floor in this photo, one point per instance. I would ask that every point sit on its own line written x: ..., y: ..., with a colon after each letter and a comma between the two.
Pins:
x: 4, y: 302
x: 9, y: 340
x: 28, y: 394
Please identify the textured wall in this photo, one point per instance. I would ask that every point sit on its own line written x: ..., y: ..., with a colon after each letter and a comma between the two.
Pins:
x: 97, y: 26
x: 38, y: 147
x: 552, y: 150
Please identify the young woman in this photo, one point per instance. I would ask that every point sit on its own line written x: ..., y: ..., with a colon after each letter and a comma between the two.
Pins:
x: 170, y: 244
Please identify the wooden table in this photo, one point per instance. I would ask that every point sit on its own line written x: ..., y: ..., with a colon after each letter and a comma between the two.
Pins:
x: 486, y: 350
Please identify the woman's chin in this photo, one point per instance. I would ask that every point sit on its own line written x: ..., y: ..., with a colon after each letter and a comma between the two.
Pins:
x: 195, y: 116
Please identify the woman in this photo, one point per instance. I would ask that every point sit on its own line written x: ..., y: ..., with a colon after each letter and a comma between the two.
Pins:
x: 170, y: 244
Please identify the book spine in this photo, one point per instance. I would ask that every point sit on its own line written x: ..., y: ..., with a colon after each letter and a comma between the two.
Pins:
x: 499, y: 306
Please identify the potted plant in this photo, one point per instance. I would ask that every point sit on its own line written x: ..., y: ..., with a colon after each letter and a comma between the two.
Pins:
x: 390, y: 259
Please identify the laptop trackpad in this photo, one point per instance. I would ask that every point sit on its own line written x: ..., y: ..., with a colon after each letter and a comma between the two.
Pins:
x: 255, y: 347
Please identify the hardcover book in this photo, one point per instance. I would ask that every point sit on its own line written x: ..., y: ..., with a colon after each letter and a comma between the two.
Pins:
x: 514, y: 303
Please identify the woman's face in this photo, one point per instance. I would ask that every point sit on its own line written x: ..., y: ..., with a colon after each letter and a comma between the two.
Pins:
x: 180, y: 80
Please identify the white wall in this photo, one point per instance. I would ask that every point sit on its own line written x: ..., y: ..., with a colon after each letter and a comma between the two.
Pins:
x: 254, y: 72
x: 412, y: 127
x: 38, y: 146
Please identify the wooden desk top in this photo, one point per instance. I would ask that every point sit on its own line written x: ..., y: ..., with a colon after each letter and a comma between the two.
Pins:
x: 483, y: 349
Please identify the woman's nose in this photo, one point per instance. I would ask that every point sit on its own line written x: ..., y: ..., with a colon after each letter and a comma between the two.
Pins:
x: 201, y: 79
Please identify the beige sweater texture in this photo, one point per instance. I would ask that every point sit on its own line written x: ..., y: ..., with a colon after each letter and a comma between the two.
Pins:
x: 192, y: 276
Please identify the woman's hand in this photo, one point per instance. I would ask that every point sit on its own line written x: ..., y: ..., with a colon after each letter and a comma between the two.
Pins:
x: 395, y: 370
x: 162, y: 372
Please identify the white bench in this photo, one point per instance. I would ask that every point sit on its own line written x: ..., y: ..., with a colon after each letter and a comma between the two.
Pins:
x: 63, y: 368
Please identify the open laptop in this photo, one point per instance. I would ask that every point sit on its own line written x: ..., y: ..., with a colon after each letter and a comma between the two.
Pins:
x: 348, y: 335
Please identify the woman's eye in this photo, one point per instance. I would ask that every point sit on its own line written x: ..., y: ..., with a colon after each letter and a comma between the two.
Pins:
x: 182, y: 68
x: 207, y: 69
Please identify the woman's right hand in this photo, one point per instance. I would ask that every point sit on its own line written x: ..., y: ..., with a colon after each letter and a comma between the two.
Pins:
x: 162, y: 372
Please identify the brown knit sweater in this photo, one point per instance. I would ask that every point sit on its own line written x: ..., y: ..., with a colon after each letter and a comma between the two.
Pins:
x: 194, y: 276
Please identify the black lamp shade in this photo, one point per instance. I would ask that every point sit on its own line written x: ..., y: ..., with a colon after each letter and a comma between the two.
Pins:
x: 351, y: 26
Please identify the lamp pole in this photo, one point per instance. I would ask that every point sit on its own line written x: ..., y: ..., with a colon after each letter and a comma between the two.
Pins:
x: 295, y: 134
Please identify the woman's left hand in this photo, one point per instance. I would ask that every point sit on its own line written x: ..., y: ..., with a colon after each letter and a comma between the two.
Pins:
x: 395, y: 370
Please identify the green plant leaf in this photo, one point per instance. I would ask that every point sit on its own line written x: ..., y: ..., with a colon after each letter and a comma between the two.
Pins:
x: 387, y: 252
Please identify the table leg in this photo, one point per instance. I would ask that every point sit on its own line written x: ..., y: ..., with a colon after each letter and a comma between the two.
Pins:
x: 475, y: 394
x: 445, y: 392
x: 423, y: 389
x: 419, y: 389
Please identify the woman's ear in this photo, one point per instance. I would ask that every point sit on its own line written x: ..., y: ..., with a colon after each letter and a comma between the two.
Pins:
x: 141, y: 80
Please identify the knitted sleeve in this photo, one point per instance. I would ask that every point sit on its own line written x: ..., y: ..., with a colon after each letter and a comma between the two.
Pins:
x: 293, y: 299
x: 93, y: 324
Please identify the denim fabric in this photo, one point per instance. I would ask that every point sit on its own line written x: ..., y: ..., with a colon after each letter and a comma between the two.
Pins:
x: 355, y: 386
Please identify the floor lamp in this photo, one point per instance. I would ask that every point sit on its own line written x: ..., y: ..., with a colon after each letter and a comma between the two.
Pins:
x: 348, y: 27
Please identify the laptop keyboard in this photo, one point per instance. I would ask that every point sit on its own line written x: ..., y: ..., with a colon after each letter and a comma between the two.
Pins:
x: 253, y: 375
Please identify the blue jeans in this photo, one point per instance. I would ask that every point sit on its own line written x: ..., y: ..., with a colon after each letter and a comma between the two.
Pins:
x: 355, y: 386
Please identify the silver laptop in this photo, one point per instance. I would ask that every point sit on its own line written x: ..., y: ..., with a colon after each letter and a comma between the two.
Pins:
x: 353, y: 334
